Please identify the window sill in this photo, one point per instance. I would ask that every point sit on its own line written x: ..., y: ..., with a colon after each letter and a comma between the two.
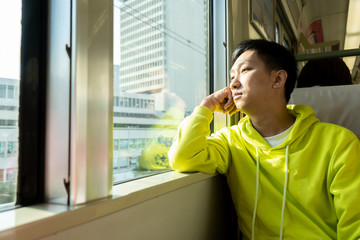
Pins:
x: 45, y: 219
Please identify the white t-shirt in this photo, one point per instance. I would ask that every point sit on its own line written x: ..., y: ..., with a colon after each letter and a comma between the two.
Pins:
x: 275, y: 140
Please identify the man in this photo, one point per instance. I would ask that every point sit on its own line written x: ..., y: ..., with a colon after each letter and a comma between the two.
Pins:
x: 290, y: 175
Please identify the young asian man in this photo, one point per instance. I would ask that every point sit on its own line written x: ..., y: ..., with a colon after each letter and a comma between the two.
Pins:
x: 290, y: 175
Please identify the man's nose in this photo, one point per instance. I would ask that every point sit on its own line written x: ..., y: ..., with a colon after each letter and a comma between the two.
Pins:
x: 235, y: 83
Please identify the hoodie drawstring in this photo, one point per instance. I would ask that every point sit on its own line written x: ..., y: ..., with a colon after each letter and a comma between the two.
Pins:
x: 284, y: 192
x: 257, y: 192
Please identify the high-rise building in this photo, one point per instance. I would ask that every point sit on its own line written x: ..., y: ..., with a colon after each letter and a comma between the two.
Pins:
x: 162, y: 71
x: 158, y: 52
x: 142, y: 46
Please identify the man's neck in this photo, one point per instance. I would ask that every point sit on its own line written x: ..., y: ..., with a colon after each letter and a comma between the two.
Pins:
x: 273, y: 123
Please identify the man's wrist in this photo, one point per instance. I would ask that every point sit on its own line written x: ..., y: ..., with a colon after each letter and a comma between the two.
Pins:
x: 206, y: 102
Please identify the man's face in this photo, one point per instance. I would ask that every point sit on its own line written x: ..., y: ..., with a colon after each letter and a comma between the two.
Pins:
x: 250, y: 82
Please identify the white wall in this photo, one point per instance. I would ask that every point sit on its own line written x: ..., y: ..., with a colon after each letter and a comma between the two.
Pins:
x: 199, y: 211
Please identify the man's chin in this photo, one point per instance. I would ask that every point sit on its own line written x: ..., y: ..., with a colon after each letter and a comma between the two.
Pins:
x: 239, y: 106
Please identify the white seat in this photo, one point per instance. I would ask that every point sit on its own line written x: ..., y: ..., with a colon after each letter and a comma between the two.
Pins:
x: 336, y: 104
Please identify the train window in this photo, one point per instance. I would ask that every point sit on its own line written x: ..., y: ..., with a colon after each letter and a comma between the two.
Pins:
x: 10, y: 26
x: 284, y: 33
x: 277, y: 33
x: 285, y: 43
x: 160, y: 75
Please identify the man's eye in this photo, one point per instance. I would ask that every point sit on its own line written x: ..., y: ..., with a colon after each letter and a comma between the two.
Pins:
x: 244, y: 70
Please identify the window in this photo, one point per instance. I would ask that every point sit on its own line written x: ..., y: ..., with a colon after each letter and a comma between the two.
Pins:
x: 277, y: 33
x: 284, y: 33
x: 10, y: 92
x: 10, y: 26
x: 160, y: 75
x: 2, y: 91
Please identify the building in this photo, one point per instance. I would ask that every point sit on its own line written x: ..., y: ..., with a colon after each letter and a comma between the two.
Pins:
x: 157, y: 81
x: 9, y: 113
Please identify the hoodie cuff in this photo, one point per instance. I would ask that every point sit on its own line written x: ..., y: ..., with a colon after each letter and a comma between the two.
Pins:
x: 204, y: 111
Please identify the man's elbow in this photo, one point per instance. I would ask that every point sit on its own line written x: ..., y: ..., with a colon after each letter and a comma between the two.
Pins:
x: 178, y: 163
x: 175, y: 162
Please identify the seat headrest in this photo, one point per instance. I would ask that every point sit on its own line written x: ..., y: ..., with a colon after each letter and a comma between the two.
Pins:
x: 336, y: 104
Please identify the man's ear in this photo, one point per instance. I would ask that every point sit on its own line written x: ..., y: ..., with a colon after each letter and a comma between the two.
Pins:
x: 280, y: 77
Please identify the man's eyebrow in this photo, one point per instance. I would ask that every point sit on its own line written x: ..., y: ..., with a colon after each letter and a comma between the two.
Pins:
x: 239, y: 64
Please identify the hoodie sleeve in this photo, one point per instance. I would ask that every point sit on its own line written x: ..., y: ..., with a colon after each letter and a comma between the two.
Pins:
x: 345, y: 188
x: 193, y: 150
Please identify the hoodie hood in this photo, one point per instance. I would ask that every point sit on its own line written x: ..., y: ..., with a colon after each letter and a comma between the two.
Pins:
x: 305, y: 118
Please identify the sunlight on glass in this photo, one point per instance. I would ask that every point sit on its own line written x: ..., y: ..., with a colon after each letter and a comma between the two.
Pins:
x: 160, y: 74
x: 10, y: 27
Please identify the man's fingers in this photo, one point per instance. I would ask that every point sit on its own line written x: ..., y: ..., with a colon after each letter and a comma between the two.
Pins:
x: 229, y: 103
x: 220, y: 101
x: 233, y: 110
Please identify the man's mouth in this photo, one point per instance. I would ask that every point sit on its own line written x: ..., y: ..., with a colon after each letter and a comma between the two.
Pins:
x: 236, y: 93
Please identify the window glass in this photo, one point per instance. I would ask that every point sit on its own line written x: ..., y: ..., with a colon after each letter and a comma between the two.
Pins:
x: 160, y: 75
x: 2, y: 91
x: 10, y: 27
x: 10, y: 93
x: 285, y: 43
x: 277, y: 33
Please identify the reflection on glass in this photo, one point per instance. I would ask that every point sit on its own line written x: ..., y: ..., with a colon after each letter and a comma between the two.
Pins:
x: 160, y: 74
x: 10, y: 27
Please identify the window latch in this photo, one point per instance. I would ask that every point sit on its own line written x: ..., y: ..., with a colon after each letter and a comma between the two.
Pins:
x: 68, y: 50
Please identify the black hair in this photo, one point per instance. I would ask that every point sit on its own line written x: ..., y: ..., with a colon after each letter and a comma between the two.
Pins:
x: 324, y: 72
x: 275, y: 57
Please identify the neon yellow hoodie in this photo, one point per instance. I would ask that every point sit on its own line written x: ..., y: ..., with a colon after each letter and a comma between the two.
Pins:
x: 318, y: 198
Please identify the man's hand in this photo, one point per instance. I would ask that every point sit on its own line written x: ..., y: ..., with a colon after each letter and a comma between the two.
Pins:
x: 220, y: 101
